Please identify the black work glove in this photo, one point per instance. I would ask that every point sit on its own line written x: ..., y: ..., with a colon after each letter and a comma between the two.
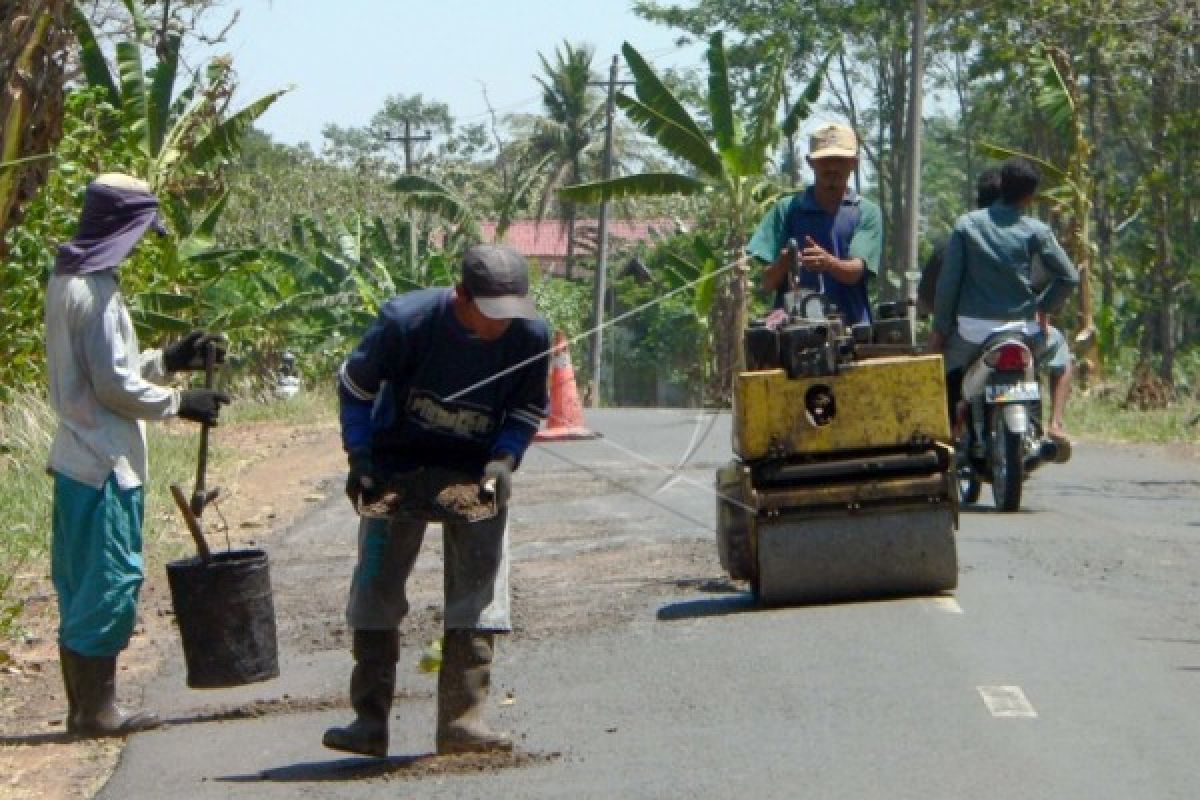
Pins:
x: 188, y: 353
x: 362, y: 483
x: 202, y: 405
x: 497, y: 479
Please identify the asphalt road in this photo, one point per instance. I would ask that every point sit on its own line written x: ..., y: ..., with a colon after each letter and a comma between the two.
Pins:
x: 1067, y: 664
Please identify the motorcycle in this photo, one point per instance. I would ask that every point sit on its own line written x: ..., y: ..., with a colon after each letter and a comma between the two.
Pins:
x: 1000, y: 416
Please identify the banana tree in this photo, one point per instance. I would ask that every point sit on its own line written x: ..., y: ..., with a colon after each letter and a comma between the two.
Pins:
x: 31, y: 99
x: 322, y: 283
x: 729, y: 163
x: 179, y: 144
x: 183, y: 139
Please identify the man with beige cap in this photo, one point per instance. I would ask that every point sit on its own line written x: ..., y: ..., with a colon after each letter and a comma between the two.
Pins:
x: 839, y: 233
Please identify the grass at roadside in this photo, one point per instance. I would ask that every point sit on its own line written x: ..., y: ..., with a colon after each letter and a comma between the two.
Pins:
x: 1102, y: 414
x: 26, y: 428
x: 1105, y: 419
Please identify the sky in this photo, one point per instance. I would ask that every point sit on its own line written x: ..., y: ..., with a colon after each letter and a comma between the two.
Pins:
x: 345, y: 57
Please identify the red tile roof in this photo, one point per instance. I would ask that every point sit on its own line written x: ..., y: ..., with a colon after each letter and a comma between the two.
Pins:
x: 547, y: 240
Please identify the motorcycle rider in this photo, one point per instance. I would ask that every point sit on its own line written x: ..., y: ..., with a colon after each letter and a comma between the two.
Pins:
x: 987, y: 285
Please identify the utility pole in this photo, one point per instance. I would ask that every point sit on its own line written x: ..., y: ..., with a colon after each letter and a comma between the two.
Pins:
x: 912, y: 212
x: 599, y: 287
x: 408, y: 138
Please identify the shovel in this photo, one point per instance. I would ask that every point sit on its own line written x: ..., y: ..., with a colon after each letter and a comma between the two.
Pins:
x: 201, y: 495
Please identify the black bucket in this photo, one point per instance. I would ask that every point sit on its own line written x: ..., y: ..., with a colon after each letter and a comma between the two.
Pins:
x: 226, y: 618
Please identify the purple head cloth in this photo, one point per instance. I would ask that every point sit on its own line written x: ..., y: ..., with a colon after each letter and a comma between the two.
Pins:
x: 117, y: 212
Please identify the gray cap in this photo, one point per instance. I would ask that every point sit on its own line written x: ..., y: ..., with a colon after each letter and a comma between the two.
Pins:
x: 498, y: 279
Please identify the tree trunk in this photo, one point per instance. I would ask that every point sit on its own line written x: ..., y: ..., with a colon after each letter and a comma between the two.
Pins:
x: 569, y: 223
x: 1161, y: 93
x: 33, y: 38
x: 1166, y: 290
x: 728, y: 323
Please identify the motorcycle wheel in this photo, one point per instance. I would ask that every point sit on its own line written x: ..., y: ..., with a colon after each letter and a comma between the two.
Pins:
x: 969, y: 486
x: 1008, y: 464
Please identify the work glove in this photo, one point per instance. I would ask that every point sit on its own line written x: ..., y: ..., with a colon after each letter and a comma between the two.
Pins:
x: 202, y: 405
x: 362, y: 483
x: 188, y: 353
x: 497, y: 480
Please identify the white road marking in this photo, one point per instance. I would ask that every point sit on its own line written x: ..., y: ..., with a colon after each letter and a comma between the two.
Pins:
x: 948, y: 604
x: 1006, y: 701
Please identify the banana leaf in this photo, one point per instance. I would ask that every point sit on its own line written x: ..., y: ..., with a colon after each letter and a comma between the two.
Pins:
x: 751, y: 158
x: 802, y: 108
x: 653, y: 93
x: 162, y: 85
x: 720, y: 98
x: 677, y: 139
x: 163, y: 302
x: 647, y: 184
x: 17, y: 163
x: 133, y: 90
x: 95, y: 65
x: 225, y: 139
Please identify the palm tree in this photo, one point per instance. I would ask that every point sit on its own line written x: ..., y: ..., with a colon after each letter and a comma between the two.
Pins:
x: 728, y: 164
x: 573, y: 114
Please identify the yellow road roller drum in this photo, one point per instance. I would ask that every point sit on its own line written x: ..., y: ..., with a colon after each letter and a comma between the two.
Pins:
x: 843, y: 482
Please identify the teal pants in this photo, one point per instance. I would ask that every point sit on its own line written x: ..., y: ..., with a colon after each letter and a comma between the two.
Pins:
x: 96, y: 564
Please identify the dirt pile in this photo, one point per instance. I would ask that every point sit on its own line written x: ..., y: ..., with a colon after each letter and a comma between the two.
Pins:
x: 433, y: 494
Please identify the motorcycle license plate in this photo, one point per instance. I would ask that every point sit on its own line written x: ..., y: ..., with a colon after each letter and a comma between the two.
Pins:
x: 1012, y: 392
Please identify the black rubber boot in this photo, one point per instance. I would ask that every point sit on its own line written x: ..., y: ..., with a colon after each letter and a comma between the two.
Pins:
x: 93, y: 681
x: 65, y: 664
x: 372, y: 685
x: 463, y: 684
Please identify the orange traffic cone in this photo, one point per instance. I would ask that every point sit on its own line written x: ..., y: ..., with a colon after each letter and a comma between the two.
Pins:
x: 566, y: 412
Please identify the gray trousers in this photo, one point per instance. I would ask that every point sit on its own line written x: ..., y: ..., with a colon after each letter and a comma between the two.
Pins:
x: 475, y: 577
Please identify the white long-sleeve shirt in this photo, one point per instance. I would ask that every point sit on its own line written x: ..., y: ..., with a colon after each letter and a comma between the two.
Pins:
x: 101, y: 385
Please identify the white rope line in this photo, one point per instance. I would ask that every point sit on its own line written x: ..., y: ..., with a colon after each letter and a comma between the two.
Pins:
x: 692, y: 446
x: 674, y: 473
x: 632, y: 312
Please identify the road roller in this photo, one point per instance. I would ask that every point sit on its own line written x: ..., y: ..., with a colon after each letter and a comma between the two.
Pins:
x: 842, y: 486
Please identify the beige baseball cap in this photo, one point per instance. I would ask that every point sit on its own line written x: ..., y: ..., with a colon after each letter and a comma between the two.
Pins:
x: 119, y: 180
x: 833, y: 141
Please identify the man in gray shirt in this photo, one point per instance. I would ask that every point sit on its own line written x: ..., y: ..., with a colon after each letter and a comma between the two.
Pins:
x: 102, y: 387
x: 987, y: 283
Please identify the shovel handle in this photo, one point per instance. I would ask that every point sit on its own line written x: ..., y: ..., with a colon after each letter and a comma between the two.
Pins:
x: 193, y: 524
x: 200, y: 494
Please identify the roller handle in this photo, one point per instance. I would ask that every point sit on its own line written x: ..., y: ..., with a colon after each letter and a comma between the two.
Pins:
x: 794, y: 267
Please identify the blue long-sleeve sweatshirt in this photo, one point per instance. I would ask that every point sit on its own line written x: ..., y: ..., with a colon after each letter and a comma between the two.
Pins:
x: 421, y: 390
